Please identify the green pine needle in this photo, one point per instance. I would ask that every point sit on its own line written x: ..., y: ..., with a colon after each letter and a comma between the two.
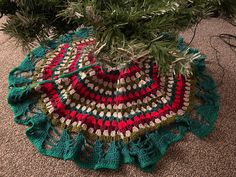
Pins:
x: 126, y: 30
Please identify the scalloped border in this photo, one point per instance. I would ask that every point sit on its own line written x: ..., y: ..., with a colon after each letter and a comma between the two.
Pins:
x: 145, y: 152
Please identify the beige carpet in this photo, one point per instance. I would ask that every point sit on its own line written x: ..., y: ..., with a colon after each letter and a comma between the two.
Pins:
x: 210, y: 157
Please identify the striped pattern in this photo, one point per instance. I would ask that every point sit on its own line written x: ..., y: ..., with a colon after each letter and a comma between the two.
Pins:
x: 110, y: 103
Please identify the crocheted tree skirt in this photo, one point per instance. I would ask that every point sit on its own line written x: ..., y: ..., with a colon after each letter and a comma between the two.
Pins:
x: 101, y: 117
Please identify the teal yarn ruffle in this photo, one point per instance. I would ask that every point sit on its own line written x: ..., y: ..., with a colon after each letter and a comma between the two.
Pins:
x: 145, y: 151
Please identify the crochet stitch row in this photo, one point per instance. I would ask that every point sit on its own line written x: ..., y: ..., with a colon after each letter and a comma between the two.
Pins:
x: 101, y: 116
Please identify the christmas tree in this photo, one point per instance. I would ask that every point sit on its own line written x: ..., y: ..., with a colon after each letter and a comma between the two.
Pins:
x: 125, y: 30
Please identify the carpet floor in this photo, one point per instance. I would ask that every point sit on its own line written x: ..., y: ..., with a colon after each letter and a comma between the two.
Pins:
x: 212, y: 156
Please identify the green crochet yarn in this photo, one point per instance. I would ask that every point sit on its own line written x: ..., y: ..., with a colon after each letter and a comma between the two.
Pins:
x: 60, y: 141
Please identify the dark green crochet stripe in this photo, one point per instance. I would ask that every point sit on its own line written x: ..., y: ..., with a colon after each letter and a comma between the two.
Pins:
x: 145, y: 152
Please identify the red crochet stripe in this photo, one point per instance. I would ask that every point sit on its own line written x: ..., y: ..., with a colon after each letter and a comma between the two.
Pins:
x: 48, y: 70
x: 82, y: 90
x: 80, y: 48
x: 122, y: 126
x: 91, y: 121
x: 114, y: 76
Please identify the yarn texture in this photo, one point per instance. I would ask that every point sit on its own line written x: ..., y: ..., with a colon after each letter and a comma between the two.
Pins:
x: 100, y: 116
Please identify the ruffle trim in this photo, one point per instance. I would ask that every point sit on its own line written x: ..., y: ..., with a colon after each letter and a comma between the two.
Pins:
x: 145, y: 151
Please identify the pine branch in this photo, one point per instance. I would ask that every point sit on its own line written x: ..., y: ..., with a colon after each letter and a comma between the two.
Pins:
x: 125, y: 29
